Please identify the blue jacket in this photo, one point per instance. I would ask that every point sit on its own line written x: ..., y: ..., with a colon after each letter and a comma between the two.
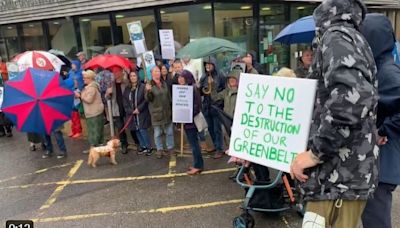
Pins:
x: 75, y: 75
x: 388, y: 76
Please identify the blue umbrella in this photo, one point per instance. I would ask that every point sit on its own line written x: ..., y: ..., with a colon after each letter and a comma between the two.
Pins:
x: 37, y: 101
x: 300, y: 31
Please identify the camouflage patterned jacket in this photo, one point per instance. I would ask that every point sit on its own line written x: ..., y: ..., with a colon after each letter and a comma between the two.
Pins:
x: 343, y: 129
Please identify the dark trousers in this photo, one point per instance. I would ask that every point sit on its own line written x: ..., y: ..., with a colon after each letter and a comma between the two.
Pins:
x: 214, y: 127
x: 119, y: 124
x: 378, y: 211
x: 60, y: 142
x: 5, y: 129
x: 193, y: 138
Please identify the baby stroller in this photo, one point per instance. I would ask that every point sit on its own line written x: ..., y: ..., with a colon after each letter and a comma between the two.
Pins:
x: 262, y: 194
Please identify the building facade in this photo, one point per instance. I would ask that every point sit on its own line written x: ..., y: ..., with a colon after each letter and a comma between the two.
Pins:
x: 94, y: 25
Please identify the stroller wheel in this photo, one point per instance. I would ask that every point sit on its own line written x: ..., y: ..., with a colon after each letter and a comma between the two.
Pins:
x: 245, y: 220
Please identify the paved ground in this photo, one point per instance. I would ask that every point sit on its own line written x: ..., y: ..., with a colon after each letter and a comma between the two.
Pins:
x: 139, y: 192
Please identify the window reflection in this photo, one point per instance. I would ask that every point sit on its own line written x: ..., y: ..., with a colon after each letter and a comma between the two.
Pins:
x: 95, y: 34
x: 62, y: 36
x: 32, y: 36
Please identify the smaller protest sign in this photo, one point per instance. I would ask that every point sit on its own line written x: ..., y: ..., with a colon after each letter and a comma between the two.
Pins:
x: 272, y: 119
x: 167, y: 43
x: 182, y: 104
x: 149, y: 63
x: 137, y: 36
x: 238, y: 66
x: 1, y: 96
x: 13, y: 70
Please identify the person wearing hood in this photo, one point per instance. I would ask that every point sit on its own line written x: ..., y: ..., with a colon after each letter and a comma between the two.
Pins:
x: 378, y: 210
x: 229, y: 94
x: 135, y: 104
x: 212, y: 81
x: 186, y: 78
x: 75, y: 82
x: 339, y: 171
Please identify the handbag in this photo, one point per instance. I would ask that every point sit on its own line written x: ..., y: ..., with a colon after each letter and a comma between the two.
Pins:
x: 200, y: 122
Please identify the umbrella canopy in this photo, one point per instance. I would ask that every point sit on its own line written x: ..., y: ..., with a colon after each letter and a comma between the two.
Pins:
x: 300, y: 31
x: 108, y: 61
x: 207, y: 46
x: 124, y: 50
x: 38, y: 60
x: 61, y: 56
x: 37, y: 101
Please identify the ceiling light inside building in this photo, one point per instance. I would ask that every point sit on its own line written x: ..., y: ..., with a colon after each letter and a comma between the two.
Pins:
x: 31, y: 25
x: 119, y: 16
x: 9, y: 27
x: 85, y: 20
x: 245, y: 7
x: 301, y: 7
x: 162, y: 11
x: 56, y: 23
x: 265, y: 8
x: 207, y: 7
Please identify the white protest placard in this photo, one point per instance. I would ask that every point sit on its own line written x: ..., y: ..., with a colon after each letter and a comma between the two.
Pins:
x: 167, y: 43
x: 1, y: 96
x: 137, y: 36
x: 272, y: 119
x: 182, y: 104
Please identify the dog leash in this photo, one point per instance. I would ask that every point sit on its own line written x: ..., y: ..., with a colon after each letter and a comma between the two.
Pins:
x: 125, y: 126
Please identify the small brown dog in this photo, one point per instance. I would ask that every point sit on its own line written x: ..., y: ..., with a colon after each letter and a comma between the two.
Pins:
x: 101, y: 151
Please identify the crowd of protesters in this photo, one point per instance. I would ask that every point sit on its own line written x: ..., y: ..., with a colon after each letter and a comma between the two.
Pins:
x: 338, y: 175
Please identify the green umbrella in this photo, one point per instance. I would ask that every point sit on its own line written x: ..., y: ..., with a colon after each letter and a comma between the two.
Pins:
x: 207, y: 46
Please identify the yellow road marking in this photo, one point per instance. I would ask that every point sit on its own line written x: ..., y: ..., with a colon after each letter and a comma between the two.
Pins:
x: 286, y: 222
x: 119, y: 179
x: 61, y: 187
x: 171, y: 170
x: 158, y: 210
x: 36, y: 172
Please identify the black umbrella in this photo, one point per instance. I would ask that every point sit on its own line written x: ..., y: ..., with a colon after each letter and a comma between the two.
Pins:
x: 124, y: 50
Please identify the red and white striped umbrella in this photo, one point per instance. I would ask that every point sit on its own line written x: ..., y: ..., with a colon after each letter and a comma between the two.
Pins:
x: 38, y: 60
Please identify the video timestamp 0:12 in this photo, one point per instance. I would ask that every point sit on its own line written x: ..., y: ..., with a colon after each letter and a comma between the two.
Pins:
x: 19, y: 224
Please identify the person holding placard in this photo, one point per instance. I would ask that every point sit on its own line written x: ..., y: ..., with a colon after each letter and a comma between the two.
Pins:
x: 186, y: 78
x: 339, y: 171
x: 160, y: 107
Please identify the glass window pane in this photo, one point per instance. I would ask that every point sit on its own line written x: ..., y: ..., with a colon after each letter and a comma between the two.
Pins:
x: 32, y: 36
x: 62, y: 36
x: 10, y: 41
x: 188, y: 22
x: 273, y: 55
x: 234, y: 21
x: 95, y: 34
x: 148, y: 23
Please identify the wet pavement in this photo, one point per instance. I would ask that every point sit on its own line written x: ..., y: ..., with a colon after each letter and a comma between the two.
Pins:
x: 140, y: 191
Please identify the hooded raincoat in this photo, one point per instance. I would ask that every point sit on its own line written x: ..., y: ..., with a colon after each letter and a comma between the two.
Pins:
x: 389, y: 94
x: 343, y: 128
